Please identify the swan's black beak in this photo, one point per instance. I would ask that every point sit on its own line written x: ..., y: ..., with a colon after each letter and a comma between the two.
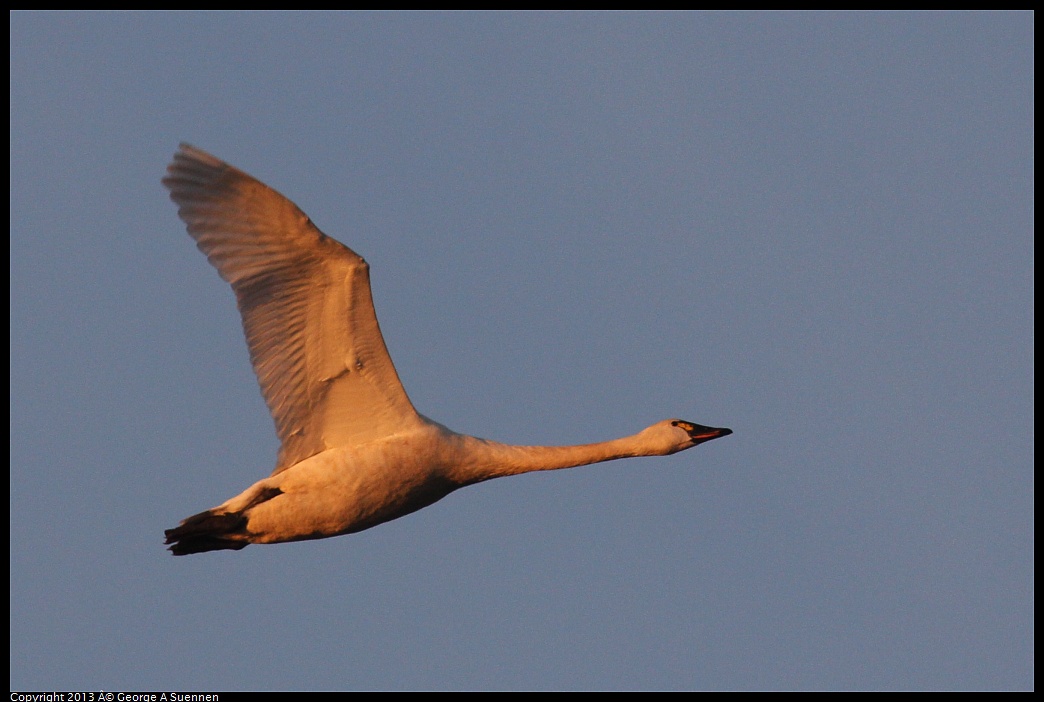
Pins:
x: 699, y: 433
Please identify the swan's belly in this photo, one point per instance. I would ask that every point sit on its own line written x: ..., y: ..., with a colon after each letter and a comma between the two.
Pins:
x: 345, y: 490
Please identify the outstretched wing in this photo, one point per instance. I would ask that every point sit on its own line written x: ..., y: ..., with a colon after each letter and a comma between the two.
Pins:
x: 307, y: 311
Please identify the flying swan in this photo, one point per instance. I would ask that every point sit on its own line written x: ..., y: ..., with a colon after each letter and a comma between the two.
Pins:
x: 354, y: 452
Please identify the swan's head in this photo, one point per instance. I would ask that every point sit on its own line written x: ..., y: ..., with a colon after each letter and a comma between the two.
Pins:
x: 674, y: 435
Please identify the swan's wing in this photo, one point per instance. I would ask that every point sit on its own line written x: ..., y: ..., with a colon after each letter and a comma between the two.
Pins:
x: 306, y: 306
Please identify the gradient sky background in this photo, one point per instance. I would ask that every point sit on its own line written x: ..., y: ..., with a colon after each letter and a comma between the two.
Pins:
x: 816, y: 229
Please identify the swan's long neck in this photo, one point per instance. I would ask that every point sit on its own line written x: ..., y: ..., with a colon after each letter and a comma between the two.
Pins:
x: 489, y: 459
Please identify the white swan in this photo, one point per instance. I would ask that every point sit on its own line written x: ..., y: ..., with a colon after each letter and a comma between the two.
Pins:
x: 354, y: 451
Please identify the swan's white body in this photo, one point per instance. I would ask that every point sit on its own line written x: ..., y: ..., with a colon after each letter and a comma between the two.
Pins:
x: 354, y: 452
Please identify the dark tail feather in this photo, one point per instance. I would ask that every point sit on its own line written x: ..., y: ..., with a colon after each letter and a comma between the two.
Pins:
x: 207, y: 531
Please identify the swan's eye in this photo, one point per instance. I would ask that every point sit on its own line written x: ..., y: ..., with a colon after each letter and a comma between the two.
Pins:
x: 684, y: 425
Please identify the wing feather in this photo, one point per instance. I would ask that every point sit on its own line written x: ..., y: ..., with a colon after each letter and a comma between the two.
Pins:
x: 306, y: 305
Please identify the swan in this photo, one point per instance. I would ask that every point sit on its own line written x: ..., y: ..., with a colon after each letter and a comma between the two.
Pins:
x: 354, y: 453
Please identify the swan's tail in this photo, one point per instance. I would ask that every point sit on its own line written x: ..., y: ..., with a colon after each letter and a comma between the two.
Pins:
x: 217, y: 529
x: 208, y: 531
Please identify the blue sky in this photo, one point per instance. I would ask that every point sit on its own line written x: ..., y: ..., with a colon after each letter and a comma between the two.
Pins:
x: 816, y: 229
